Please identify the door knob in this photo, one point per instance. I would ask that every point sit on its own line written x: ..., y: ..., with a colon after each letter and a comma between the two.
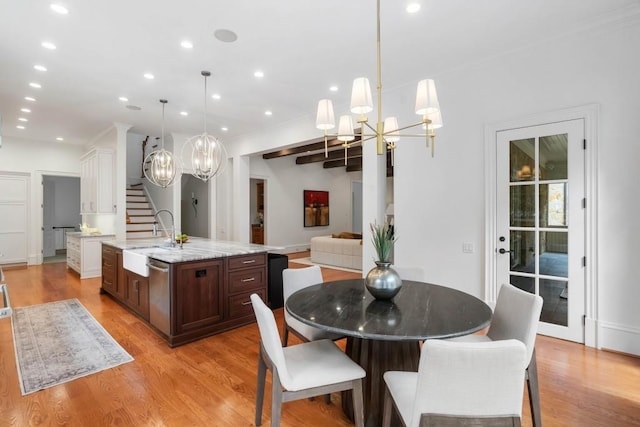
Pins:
x: 503, y: 251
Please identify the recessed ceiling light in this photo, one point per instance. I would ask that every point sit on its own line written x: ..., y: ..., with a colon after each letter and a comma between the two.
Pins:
x: 133, y: 107
x: 226, y: 36
x: 186, y: 44
x: 123, y: 99
x: 59, y: 138
x: 224, y: 128
x: 259, y: 74
x: 268, y: 113
x: 49, y: 45
x: 40, y: 67
x: 58, y: 8
x: 20, y: 127
x: 413, y: 7
x: 25, y: 110
x: 333, y: 88
x: 216, y: 96
x: 30, y: 99
x: 184, y: 113
x: 35, y: 85
x: 22, y: 119
x: 149, y: 76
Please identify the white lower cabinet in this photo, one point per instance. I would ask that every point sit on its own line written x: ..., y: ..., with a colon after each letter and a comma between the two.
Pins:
x: 84, y: 253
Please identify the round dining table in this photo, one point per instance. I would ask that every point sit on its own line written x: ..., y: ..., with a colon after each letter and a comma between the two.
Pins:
x: 386, y: 335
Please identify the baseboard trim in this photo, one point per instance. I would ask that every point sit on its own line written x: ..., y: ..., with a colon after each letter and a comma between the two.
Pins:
x: 620, y: 338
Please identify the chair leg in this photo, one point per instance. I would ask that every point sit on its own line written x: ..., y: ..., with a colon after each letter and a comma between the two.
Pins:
x: 276, y: 398
x: 262, y: 375
x: 285, y: 335
x: 534, y: 393
x: 386, y: 408
x: 327, y: 399
x: 358, y: 405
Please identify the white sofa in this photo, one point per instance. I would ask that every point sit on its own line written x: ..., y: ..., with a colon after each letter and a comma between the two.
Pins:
x: 338, y: 252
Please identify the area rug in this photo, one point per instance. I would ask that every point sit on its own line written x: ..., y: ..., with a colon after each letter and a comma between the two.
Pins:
x: 307, y: 261
x: 58, y: 342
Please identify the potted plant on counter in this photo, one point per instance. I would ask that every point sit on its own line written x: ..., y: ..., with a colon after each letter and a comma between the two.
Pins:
x: 383, y: 282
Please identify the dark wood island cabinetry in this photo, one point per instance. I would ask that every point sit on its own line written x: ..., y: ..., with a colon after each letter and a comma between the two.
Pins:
x: 206, y: 296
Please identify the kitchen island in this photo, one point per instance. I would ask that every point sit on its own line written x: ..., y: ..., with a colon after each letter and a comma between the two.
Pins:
x: 185, y: 293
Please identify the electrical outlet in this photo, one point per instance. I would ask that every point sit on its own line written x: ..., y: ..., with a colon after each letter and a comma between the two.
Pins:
x: 467, y: 248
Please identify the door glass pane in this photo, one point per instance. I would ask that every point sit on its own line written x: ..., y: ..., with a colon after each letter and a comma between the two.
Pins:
x: 553, y: 254
x: 522, y: 159
x: 527, y: 284
x: 522, y: 245
x: 522, y: 205
x: 553, y: 157
x: 553, y: 205
x: 555, y: 294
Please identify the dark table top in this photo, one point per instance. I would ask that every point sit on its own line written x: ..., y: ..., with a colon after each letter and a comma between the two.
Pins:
x: 419, y: 311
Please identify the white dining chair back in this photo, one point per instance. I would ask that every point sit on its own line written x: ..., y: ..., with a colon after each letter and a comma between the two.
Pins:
x: 516, y: 316
x: 293, y: 280
x: 301, y: 371
x: 461, y: 381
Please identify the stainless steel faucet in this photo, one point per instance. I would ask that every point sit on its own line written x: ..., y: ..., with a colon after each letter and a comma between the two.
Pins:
x: 172, y: 237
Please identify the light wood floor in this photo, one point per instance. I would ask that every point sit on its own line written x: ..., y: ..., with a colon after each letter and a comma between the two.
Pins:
x: 212, y: 382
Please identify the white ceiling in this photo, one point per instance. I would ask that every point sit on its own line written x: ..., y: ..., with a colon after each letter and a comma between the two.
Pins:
x: 303, y: 47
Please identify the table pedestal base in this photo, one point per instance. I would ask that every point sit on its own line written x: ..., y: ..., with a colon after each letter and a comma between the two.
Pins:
x: 377, y: 357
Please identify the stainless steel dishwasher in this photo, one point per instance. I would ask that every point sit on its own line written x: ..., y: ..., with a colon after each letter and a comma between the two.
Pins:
x: 159, y: 308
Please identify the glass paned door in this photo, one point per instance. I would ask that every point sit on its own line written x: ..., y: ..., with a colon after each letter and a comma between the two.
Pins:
x: 540, y: 220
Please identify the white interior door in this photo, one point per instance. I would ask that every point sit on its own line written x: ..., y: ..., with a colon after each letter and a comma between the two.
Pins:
x: 14, y: 197
x: 540, y: 220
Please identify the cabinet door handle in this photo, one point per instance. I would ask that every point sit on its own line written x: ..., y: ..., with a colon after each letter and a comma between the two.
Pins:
x: 249, y: 280
x: 249, y: 262
x: 108, y: 264
x: 246, y: 302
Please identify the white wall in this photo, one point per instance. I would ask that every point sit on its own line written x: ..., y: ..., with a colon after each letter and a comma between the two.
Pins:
x: 285, y: 183
x: 439, y: 202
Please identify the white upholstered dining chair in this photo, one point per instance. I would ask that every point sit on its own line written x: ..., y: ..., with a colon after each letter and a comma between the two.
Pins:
x: 516, y: 316
x: 300, y: 371
x: 294, y: 279
x: 459, y: 384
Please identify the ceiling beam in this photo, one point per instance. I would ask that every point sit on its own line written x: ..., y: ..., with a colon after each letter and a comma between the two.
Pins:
x: 315, y: 144
x: 333, y: 155
x: 354, y: 161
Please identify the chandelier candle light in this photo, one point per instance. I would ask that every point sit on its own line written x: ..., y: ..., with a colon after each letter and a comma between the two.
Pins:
x: 161, y: 164
x: 386, y: 133
x: 208, y: 155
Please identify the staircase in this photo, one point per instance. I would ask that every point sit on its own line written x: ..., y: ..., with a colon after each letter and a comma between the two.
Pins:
x: 139, y: 214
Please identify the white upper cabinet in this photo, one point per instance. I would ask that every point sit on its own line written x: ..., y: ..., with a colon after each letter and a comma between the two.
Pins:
x: 96, y: 182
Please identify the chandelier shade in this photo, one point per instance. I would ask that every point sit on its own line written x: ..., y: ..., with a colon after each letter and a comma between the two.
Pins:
x: 361, y: 100
x: 160, y: 166
x: 426, y: 98
x: 325, y: 118
x: 345, y: 129
x: 208, y: 154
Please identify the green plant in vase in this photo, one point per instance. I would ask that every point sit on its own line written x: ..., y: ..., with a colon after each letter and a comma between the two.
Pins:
x: 382, y: 281
x: 383, y: 238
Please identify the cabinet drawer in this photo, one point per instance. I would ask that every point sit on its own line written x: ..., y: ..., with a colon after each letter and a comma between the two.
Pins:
x: 246, y: 261
x: 247, y: 280
x: 240, y: 305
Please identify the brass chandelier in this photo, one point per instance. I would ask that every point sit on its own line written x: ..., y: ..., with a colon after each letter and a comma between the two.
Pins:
x: 161, y: 166
x: 386, y: 133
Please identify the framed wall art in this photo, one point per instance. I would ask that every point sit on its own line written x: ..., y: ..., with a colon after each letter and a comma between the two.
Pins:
x: 316, y: 208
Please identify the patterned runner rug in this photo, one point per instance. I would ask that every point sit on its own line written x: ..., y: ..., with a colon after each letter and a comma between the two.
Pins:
x: 58, y: 342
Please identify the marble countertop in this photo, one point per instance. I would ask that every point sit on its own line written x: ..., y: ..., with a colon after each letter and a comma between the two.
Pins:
x: 196, y: 249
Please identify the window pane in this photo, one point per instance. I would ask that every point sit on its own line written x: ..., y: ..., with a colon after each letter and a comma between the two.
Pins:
x: 522, y: 205
x: 522, y: 159
x: 527, y: 284
x: 522, y: 245
x: 555, y: 294
x: 553, y: 157
x: 553, y: 205
x: 553, y: 254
